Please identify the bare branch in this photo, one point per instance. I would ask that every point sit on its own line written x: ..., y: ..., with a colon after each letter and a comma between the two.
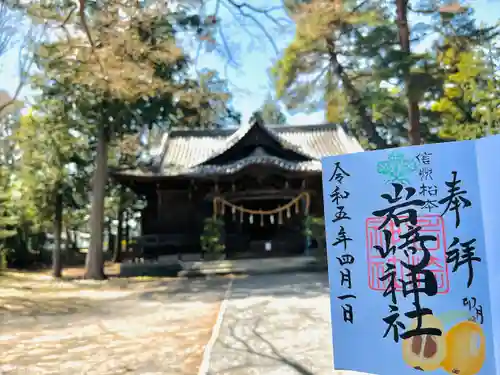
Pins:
x: 256, y: 15
x: 69, y: 15
x: 9, y: 22
x: 265, y: 12
x: 226, y: 47
x: 259, y: 24
x: 83, y: 20
x: 223, y: 36
x: 25, y: 61
x: 242, y: 25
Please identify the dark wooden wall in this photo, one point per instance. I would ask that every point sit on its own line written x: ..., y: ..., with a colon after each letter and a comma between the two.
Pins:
x: 177, y: 218
x: 176, y: 212
x: 180, y: 212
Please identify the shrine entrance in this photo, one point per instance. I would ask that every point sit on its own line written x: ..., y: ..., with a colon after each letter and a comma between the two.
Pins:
x: 263, y: 226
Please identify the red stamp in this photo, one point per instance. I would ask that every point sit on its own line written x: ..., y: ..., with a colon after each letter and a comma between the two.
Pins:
x: 431, y: 224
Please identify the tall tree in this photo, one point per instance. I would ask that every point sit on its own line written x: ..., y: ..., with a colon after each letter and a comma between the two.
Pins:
x: 7, y: 217
x: 411, y: 75
x: 9, y: 115
x: 124, y: 153
x: 379, y: 87
x: 50, y: 167
x: 327, y: 63
x: 412, y: 99
x: 470, y: 104
x: 122, y: 71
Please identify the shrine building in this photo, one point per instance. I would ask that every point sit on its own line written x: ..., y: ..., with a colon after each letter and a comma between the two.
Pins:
x: 261, y: 180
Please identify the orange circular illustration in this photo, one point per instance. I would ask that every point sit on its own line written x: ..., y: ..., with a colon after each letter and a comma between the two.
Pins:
x: 466, y: 349
x: 425, y: 352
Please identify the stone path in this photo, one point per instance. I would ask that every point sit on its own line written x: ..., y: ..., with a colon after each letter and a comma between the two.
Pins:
x: 273, y: 325
x: 147, y: 329
x: 276, y: 325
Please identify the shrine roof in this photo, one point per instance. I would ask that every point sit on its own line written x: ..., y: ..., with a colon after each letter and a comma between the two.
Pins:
x: 188, y: 152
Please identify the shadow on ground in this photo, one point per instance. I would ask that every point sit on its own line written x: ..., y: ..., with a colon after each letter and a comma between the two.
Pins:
x: 159, y: 326
x: 113, y: 327
x: 276, y: 324
x: 287, y: 285
x: 20, y: 296
x: 259, y: 352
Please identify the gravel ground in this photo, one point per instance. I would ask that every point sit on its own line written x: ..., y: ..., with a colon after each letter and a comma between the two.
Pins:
x: 273, y: 325
x: 141, y: 328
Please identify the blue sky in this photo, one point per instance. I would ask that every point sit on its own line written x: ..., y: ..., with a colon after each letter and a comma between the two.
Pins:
x: 249, y: 80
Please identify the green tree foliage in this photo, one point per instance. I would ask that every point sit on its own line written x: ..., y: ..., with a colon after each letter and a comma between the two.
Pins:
x: 121, y: 203
x: 330, y: 63
x: 351, y: 58
x: 271, y: 113
x: 7, y: 217
x: 50, y: 169
x: 314, y: 229
x: 122, y: 70
x: 9, y: 119
x: 8, y: 220
x: 470, y: 102
x: 211, y: 103
x: 211, y: 240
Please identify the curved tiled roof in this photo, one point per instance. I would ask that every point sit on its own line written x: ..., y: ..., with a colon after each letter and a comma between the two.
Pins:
x: 258, y: 157
x: 191, y: 147
x: 187, y: 152
x: 238, y: 135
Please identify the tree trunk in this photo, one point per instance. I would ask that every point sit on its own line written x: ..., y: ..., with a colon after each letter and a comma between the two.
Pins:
x: 76, y: 239
x: 68, y: 247
x: 111, y: 240
x: 127, y: 230
x: 67, y: 243
x: 355, y: 100
x: 404, y: 41
x: 58, y: 223
x: 119, y: 230
x: 94, y: 262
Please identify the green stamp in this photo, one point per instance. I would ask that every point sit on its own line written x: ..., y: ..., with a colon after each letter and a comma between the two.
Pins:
x: 397, y: 168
